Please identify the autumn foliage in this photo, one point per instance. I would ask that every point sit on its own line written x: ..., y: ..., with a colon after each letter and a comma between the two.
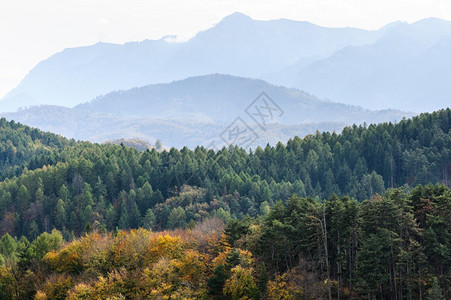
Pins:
x: 141, y: 264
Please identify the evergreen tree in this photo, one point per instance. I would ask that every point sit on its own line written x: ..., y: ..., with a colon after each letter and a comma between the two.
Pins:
x: 435, y: 292
x: 149, y: 219
x: 177, y: 218
x: 216, y: 282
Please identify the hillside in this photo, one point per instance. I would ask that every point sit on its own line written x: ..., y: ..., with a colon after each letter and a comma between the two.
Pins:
x: 212, y: 261
x: 195, y: 111
x: 223, y: 210
x: 101, y: 183
x: 24, y: 146
x: 220, y: 98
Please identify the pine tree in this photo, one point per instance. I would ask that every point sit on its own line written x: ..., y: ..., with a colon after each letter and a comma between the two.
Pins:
x: 233, y: 259
x: 60, y: 214
x: 435, y: 292
x: 149, y: 219
x: 216, y: 282
x: 177, y: 218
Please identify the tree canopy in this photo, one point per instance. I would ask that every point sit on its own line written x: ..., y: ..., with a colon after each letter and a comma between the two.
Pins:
x: 365, y: 213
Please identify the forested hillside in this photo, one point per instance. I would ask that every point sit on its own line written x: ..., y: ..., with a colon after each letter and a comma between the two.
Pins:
x: 392, y: 247
x: 20, y: 144
x: 392, y: 241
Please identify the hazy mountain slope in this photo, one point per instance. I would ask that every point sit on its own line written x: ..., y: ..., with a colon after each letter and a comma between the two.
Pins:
x: 221, y: 98
x: 79, y: 74
x: 286, y: 76
x: 173, y: 133
x: 433, y: 83
x: 195, y: 111
x: 421, y: 82
x: 400, y: 70
x: 237, y: 45
x: 373, y: 69
x: 241, y: 46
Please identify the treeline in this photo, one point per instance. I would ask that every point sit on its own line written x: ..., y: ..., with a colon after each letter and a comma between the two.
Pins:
x: 394, y: 246
x: 77, y: 186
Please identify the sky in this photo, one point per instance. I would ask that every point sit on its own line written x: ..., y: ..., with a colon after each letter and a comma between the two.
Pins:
x: 31, y: 30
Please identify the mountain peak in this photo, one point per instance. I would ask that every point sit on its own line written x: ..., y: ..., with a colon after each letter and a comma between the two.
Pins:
x: 432, y: 22
x: 236, y: 17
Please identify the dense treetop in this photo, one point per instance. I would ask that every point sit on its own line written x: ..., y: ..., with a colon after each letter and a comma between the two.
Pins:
x: 382, y: 232
x: 395, y: 246
x: 67, y: 184
x: 19, y: 144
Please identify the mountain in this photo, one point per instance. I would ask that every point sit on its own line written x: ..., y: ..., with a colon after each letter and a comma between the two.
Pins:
x: 401, y: 66
x: 79, y: 74
x: 406, y: 68
x: 221, y: 98
x: 238, y: 45
x: 197, y: 110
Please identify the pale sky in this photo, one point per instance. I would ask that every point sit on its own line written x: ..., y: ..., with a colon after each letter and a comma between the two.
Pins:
x: 32, y: 30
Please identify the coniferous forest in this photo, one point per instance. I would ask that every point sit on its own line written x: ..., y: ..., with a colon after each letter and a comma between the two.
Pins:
x: 363, y: 214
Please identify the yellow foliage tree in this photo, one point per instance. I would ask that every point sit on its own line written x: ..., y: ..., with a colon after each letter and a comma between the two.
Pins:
x: 241, y: 284
x: 284, y: 287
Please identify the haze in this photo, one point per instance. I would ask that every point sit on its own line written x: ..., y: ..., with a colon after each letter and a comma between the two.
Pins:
x: 31, y: 31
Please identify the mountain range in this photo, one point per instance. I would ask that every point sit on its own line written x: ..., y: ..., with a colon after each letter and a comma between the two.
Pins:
x: 401, y: 65
x: 238, y: 45
x: 406, y: 68
x: 196, y: 110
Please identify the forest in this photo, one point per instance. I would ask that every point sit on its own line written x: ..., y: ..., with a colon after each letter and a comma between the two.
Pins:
x: 361, y: 214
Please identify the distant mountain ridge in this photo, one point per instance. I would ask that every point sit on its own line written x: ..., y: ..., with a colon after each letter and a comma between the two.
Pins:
x: 408, y: 67
x: 195, y: 111
x: 401, y: 66
x: 220, y: 98
x: 238, y: 45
